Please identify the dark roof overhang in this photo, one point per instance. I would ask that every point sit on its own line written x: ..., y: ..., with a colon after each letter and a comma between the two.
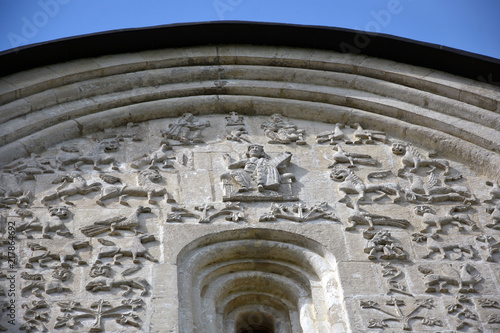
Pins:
x: 462, y: 63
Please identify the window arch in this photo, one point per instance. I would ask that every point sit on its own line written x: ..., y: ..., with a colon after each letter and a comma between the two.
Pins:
x: 229, y: 279
x: 255, y: 322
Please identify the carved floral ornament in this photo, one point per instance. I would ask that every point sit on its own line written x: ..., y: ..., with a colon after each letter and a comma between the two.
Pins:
x: 100, y: 212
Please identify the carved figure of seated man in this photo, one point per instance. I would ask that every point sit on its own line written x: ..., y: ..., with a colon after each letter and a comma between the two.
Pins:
x: 187, y: 130
x: 258, y: 170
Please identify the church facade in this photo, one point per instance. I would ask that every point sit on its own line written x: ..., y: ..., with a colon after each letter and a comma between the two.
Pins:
x: 244, y: 177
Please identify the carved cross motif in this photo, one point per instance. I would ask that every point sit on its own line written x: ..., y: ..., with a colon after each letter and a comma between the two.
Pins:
x: 399, y: 315
x: 99, y: 311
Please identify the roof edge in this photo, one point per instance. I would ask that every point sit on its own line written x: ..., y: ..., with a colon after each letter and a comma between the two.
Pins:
x: 438, y: 57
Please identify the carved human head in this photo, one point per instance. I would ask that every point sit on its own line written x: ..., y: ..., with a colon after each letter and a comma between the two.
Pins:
x: 255, y: 151
x: 61, y: 212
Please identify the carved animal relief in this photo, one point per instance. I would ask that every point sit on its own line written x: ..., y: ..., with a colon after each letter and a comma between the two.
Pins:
x: 208, y: 221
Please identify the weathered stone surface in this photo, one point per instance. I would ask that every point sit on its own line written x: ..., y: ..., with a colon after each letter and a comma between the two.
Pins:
x: 200, y: 189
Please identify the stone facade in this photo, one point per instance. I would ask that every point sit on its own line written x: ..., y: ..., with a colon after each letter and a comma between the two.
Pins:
x: 248, y: 189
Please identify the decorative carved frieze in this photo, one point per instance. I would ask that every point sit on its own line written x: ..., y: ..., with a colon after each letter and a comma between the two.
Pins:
x: 447, y: 249
x: 463, y: 314
x: 235, y: 128
x: 394, y: 278
x: 51, y: 283
x: 72, y: 185
x: 412, y: 160
x: 150, y: 185
x: 207, y: 213
x: 353, y: 134
x: 36, y: 316
x: 350, y: 183
x: 353, y: 159
x: 111, y: 225
x: 98, y: 156
x: 381, y: 245
x: 125, y: 247
x: 124, y: 314
x: 400, y: 314
x: 464, y: 277
x: 434, y: 190
x: 104, y: 279
x: 54, y: 223
x: 494, y: 217
x: 278, y: 130
x: 64, y: 255
x: 489, y: 247
x: 299, y: 212
x: 492, y: 317
x: 429, y: 218
x: 430, y: 223
x: 362, y: 217
x: 27, y: 168
x: 185, y: 131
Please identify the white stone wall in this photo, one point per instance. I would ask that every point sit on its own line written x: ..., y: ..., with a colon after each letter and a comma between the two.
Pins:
x: 194, y: 251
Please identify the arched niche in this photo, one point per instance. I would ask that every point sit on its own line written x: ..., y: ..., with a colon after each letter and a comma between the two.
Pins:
x: 284, y: 276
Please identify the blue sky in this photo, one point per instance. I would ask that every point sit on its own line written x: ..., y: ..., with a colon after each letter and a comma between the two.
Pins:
x: 471, y: 25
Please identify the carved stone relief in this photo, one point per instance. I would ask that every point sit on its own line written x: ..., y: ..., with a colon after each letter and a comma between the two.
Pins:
x: 398, y: 310
x: 235, y: 128
x: 381, y: 245
x: 186, y: 130
x: 96, y: 220
x: 464, y: 277
x: 299, y: 213
x: 258, y: 177
x: 207, y: 213
x: 280, y: 131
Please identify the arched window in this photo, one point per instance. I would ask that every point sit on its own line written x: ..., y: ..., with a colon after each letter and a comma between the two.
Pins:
x: 255, y: 322
x: 258, y: 281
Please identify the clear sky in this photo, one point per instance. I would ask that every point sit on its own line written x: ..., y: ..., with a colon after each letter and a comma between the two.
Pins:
x: 470, y: 25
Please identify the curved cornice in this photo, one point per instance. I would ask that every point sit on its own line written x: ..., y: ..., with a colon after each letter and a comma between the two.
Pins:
x: 457, y: 117
x: 340, y: 40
